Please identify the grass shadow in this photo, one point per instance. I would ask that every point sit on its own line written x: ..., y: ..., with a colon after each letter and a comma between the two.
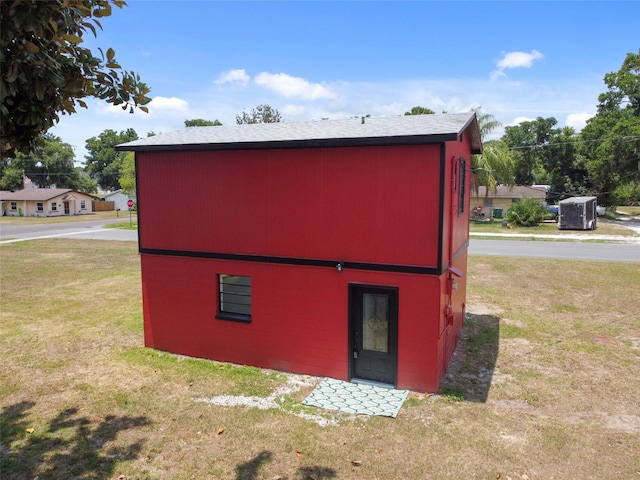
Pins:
x: 470, y: 370
x: 316, y: 473
x: 250, y: 470
x: 68, y: 446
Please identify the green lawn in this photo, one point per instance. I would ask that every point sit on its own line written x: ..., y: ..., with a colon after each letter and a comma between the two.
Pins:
x: 544, y: 384
x: 605, y: 227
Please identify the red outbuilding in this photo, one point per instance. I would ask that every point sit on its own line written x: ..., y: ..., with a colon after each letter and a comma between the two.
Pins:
x: 334, y: 248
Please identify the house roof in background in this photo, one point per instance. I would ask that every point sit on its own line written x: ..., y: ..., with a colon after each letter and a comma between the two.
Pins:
x: 37, y: 194
x: 511, y: 192
x: 115, y: 192
x: 362, y: 131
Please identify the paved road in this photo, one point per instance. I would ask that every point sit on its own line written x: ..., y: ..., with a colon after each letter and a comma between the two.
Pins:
x: 89, y: 229
x: 609, y: 252
x: 613, y: 252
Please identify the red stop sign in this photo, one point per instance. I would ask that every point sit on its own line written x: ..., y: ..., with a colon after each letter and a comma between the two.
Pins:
x: 130, y: 203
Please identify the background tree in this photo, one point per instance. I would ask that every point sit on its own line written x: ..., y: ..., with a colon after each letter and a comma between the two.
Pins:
x: 51, y: 163
x: 487, y: 123
x: 103, y: 162
x: 46, y: 72
x: 260, y: 114
x: 85, y: 183
x: 199, y: 122
x: 561, y: 167
x: 623, y: 87
x: 610, y: 146
x: 495, y: 165
x: 128, y: 174
x: 11, y: 174
x: 420, y: 111
x: 128, y: 171
x: 528, y: 141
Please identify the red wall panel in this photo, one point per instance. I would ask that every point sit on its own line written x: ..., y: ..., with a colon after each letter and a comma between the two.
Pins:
x: 299, y: 317
x: 378, y: 205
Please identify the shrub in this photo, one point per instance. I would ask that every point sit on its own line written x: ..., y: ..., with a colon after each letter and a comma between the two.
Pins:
x: 528, y: 212
x: 627, y: 193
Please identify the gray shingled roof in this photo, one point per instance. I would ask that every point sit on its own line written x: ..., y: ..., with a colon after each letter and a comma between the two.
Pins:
x: 414, y: 129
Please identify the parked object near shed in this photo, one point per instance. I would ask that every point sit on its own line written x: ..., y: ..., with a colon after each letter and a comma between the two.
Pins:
x: 334, y: 248
x: 578, y: 213
x: 554, y: 210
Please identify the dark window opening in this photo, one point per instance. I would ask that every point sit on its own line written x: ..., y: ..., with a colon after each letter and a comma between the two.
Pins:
x: 461, y: 190
x: 234, y: 298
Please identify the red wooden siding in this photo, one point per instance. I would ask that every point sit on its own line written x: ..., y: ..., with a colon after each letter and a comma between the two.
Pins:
x: 377, y: 205
x: 460, y: 222
x: 373, y: 205
x: 299, y: 317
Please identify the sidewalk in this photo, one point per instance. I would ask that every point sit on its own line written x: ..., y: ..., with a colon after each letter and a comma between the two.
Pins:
x: 562, y: 237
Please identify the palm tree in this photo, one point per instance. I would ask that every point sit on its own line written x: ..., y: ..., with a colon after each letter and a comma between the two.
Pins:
x: 495, y: 165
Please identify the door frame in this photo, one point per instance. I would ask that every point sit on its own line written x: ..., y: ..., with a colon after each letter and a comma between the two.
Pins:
x: 356, y: 290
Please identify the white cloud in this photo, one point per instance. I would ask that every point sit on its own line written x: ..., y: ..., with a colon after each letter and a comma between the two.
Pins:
x: 515, y: 60
x: 157, y: 106
x: 110, y: 109
x: 578, y: 120
x: 293, y: 110
x: 168, y: 103
x: 294, y: 87
x: 238, y: 76
x: 519, y: 120
x: 510, y: 102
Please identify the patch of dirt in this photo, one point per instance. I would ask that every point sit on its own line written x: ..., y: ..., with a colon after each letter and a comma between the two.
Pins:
x: 510, y: 321
x: 294, y: 384
x: 616, y: 422
x: 634, y: 342
x: 476, y: 308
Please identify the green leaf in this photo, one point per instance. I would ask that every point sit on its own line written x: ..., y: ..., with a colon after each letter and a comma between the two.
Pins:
x: 90, y: 26
x: 54, y: 25
x: 72, y: 39
x: 111, y: 53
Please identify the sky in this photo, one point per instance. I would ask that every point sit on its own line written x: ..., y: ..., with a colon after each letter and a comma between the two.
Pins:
x: 516, y: 60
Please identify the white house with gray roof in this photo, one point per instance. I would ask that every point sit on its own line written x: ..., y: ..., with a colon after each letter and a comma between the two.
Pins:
x: 45, y: 202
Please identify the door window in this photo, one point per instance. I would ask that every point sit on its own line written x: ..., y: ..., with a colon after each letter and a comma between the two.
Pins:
x: 375, y: 322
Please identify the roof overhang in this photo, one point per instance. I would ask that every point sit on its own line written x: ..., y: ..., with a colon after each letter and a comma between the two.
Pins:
x: 297, y: 144
x: 350, y: 132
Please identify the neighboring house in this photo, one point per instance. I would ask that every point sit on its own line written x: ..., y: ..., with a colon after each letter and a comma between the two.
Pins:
x: 485, y: 202
x: 118, y: 198
x: 45, y: 202
x: 334, y: 248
